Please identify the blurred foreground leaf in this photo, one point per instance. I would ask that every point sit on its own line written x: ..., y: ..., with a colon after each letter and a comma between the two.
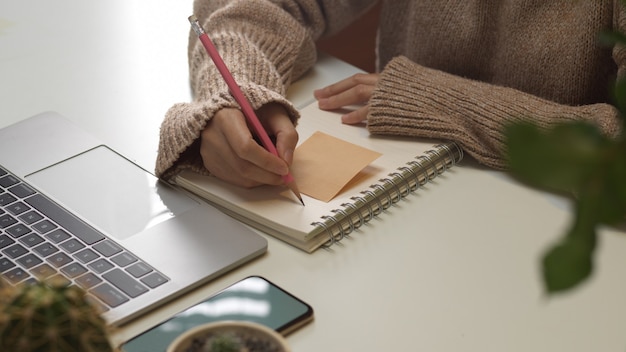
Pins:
x: 558, y: 160
x: 576, y: 160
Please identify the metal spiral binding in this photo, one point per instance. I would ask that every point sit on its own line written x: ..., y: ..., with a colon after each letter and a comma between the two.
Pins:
x: 370, y: 193
x: 370, y: 213
x: 394, y: 185
x: 341, y: 233
x: 417, y: 165
x: 436, y: 171
x: 428, y: 177
x: 415, y: 176
x: 370, y: 204
x: 346, y: 216
x: 355, y: 210
x: 383, y: 192
x: 452, y: 160
x: 331, y: 238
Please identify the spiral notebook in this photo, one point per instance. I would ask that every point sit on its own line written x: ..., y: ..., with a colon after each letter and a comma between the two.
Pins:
x: 404, y: 166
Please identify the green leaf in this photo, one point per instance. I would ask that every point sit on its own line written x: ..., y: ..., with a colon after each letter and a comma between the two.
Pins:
x: 561, y: 159
x: 609, y: 189
x: 566, y: 265
x: 612, y: 38
x: 570, y: 262
x: 619, y: 93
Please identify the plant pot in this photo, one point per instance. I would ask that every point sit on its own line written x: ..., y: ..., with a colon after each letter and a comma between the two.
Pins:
x: 254, y: 336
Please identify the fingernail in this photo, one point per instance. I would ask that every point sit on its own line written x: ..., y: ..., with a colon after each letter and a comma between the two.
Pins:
x: 322, y: 103
x: 288, y: 156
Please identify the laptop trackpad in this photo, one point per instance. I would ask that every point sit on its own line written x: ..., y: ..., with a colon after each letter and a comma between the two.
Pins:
x: 110, y: 192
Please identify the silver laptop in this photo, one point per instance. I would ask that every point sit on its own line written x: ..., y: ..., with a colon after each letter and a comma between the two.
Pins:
x: 74, y: 210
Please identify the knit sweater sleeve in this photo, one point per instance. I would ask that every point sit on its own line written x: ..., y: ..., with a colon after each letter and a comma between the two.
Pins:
x: 413, y: 100
x: 253, y: 53
x: 266, y: 44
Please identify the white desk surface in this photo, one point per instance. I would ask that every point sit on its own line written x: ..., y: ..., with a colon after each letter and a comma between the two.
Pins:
x: 452, y: 268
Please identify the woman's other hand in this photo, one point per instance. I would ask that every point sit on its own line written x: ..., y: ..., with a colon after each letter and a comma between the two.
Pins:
x: 356, y: 89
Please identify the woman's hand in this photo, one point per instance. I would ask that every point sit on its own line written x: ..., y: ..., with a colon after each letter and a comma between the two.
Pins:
x: 356, y: 89
x: 230, y: 152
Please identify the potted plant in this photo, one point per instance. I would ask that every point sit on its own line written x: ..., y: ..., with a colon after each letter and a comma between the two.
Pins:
x: 50, y: 317
x: 230, y: 336
x: 574, y: 159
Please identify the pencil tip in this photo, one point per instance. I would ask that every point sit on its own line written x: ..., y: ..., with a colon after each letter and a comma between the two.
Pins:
x: 294, y: 188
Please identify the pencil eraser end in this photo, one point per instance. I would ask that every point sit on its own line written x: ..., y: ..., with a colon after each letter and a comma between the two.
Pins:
x: 193, y: 18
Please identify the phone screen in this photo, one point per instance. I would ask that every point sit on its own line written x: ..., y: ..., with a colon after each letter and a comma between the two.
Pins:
x: 252, y: 299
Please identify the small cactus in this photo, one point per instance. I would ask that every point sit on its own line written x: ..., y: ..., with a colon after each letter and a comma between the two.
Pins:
x: 50, y: 317
x: 224, y: 343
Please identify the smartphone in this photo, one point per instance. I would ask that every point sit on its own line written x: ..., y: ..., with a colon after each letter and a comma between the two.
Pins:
x: 253, y: 299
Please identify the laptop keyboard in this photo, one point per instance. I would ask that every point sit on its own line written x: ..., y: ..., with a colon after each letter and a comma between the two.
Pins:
x: 41, y: 240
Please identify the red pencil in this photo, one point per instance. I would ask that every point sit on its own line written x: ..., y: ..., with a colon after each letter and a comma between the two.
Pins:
x: 235, y: 91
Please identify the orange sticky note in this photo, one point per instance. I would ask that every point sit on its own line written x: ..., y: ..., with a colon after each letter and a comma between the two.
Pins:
x: 324, y: 164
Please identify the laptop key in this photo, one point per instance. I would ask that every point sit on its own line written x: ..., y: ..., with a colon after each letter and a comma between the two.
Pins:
x: 31, y: 217
x: 72, y: 245
x: 6, y: 220
x: 18, y: 230
x: 16, y: 275
x: 139, y: 269
x: 100, y: 265
x: 57, y: 236
x: 43, y: 271
x: 8, y: 181
x: 86, y: 255
x: 123, y: 259
x: 5, y: 264
x: 21, y: 190
x: 59, y: 279
x: 107, y: 248
x: 62, y: 217
x: 74, y: 269
x: 17, y: 208
x: 154, y: 280
x: 109, y: 295
x: 6, y: 199
x: 15, y: 251
x: 5, y: 241
x: 29, y: 261
x: 88, y: 281
x: 45, y: 249
x: 31, y: 240
x: 44, y: 226
x: 59, y: 259
x: 125, y: 282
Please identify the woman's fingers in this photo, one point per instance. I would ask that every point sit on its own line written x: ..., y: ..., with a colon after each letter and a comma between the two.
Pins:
x: 357, y: 116
x: 356, y: 89
x: 278, y: 124
x: 230, y: 153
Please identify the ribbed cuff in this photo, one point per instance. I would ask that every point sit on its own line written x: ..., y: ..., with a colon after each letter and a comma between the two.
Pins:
x: 413, y: 100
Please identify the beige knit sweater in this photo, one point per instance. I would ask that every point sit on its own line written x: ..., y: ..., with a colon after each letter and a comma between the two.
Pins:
x: 454, y: 69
